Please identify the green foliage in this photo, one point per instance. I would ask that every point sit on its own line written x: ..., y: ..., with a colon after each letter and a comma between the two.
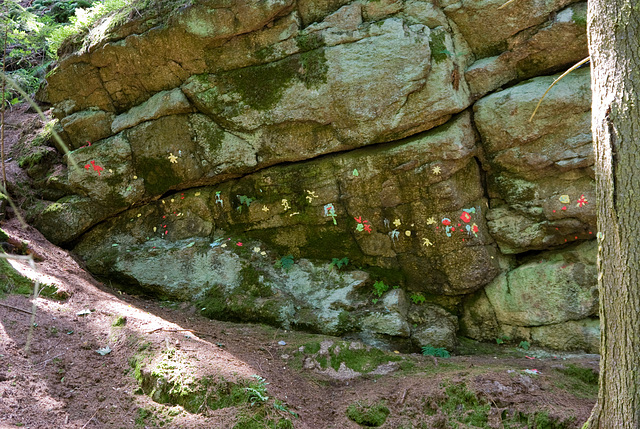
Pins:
x: 244, y: 200
x: 119, y: 321
x: 366, y: 414
x: 286, y: 262
x: 257, y: 391
x: 52, y: 292
x: 524, y: 345
x: 82, y: 21
x: 435, y: 351
x: 26, y: 51
x: 59, y: 11
x: 278, y: 405
x: 417, y: 298
x: 502, y: 339
x: 339, y: 263
x: 379, y: 288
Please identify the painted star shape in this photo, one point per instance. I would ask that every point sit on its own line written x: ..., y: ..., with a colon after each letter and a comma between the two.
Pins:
x: 436, y: 170
x: 426, y: 242
x: 397, y: 222
x: 431, y: 221
x: 172, y: 158
x: 582, y: 201
x: 265, y: 209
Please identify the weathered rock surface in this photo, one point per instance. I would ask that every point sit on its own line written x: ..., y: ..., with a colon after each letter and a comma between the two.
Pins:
x: 540, y: 173
x: 550, y: 300
x: 559, y: 42
x: 227, y: 137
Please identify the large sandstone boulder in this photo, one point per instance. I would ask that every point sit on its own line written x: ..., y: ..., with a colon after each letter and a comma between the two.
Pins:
x: 230, y: 153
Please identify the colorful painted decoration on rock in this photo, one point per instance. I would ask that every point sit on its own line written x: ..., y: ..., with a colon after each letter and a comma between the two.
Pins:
x: 330, y: 211
x: 395, y: 235
x: 172, y: 158
x: 564, y: 199
x: 285, y: 204
x: 219, y: 199
x: 426, y: 242
x: 95, y: 167
x: 472, y: 229
x: 310, y: 195
x: 582, y: 201
x: 447, y: 223
x: 363, y: 225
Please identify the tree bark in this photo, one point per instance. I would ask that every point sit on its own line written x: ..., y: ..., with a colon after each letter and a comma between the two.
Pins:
x: 614, y: 46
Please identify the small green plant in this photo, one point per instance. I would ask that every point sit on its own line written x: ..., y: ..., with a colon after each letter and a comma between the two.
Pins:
x: 502, y: 339
x: 286, y: 262
x: 244, y: 200
x: 524, y: 345
x: 257, y: 391
x: 339, y: 263
x: 120, y: 321
x: 379, y: 288
x: 418, y: 298
x: 280, y: 406
x: 365, y: 414
x: 435, y: 352
x: 374, y: 300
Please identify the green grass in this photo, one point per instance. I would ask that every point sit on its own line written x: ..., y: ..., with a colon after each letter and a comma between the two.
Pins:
x: 366, y: 414
x: 580, y: 382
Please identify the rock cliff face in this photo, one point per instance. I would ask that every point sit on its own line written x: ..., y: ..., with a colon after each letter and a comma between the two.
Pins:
x: 360, y: 168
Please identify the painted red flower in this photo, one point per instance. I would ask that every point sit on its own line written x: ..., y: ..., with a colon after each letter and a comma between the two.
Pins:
x: 446, y: 221
x: 466, y: 217
x: 582, y: 201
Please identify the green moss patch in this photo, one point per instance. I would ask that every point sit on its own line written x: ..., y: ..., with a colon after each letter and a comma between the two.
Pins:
x: 353, y: 355
x: 158, y: 174
x: 171, y: 380
x: 462, y: 406
x: 261, y: 87
x: 11, y: 282
x: 366, y: 414
x: 438, y: 47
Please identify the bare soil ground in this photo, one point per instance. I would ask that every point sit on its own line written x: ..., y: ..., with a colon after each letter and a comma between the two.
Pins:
x: 162, y: 352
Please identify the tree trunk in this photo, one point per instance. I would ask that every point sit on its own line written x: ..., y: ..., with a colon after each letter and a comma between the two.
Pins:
x: 614, y: 46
